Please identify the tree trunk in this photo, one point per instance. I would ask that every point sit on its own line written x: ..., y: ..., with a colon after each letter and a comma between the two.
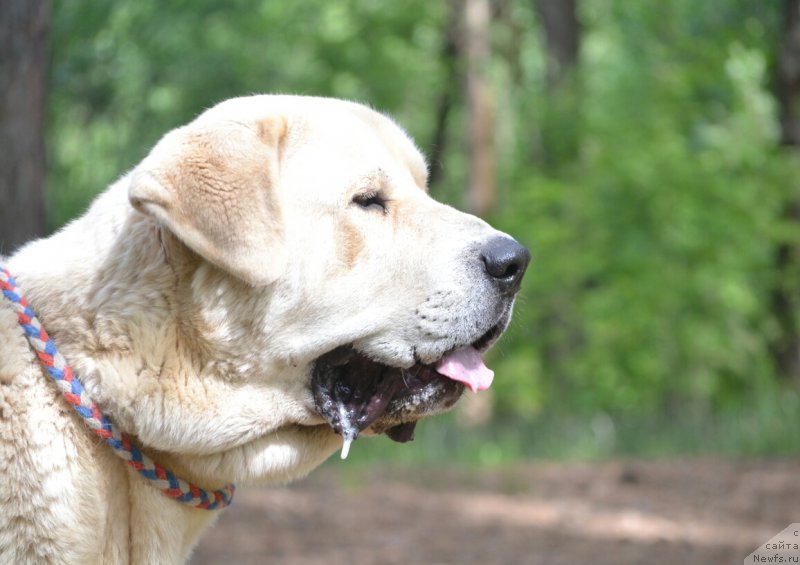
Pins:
x: 786, y: 292
x: 561, y: 124
x: 562, y: 35
x: 559, y: 144
x: 482, y: 195
x: 24, y: 48
x: 446, y: 96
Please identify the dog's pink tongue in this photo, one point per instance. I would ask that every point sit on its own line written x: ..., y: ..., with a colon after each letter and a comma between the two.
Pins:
x: 466, y: 366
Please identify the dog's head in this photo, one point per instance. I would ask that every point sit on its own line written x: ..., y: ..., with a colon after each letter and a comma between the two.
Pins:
x: 328, y: 277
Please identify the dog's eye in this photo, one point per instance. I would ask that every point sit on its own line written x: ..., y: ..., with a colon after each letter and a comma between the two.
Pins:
x: 370, y: 201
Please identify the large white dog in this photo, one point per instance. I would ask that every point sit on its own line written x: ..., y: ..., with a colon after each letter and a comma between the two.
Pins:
x: 271, y: 279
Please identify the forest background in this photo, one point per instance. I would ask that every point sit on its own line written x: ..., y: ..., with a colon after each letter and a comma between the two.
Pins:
x: 646, y: 152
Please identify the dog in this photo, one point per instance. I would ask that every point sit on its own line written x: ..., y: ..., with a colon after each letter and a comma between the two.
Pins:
x: 270, y: 282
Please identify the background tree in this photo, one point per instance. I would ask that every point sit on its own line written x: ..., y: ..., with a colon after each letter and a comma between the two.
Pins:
x: 786, y: 292
x: 24, y: 54
x: 481, y: 193
x: 449, y: 94
x: 637, y: 158
x: 562, y: 37
x: 560, y: 125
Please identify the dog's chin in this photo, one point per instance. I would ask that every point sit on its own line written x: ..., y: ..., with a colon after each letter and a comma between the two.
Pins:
x: 356, y: 394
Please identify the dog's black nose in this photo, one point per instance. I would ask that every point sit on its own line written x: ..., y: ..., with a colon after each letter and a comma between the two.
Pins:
x: 505, y: 261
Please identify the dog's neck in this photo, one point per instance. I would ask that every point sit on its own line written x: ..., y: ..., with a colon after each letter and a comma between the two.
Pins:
x: 93, y: 285
x: 122, y: 299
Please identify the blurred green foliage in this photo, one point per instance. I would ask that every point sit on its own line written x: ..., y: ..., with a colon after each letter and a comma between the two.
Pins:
x: 649, y: 188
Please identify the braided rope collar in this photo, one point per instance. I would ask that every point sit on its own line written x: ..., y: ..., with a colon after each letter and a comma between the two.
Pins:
x: 99, y: 423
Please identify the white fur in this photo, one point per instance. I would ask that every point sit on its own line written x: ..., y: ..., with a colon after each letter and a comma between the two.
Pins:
x: 194, y: 315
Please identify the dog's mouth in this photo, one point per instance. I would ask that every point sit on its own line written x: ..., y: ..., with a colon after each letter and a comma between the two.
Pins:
x: 354, y: 393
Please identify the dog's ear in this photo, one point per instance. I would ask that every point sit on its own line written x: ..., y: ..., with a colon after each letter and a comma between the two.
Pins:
x: 215, y: 187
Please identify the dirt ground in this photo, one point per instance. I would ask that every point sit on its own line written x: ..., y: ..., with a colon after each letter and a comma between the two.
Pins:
x: 667, y: 512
